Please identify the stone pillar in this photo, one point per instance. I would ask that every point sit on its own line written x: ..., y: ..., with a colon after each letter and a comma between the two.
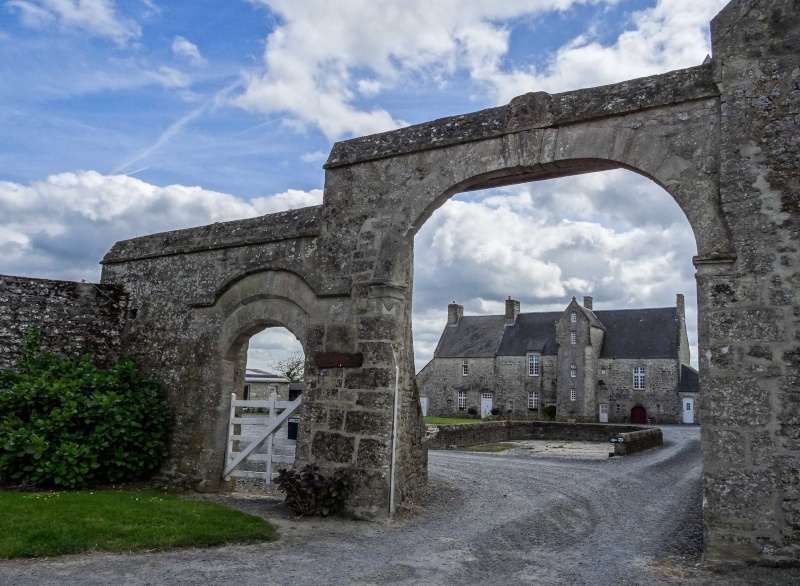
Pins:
x: 750, y: 309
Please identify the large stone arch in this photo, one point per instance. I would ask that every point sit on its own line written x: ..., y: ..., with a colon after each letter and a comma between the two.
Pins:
x: 720, y: 138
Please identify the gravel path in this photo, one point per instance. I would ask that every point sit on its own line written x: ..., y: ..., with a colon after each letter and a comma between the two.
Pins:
x: 490, y: 519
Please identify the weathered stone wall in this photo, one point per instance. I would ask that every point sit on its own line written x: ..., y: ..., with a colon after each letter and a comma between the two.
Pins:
x: 659, y: 398
x: 750, y: 309
x: 445, y: 377
x: 461, y: 435
x: 73, y: 318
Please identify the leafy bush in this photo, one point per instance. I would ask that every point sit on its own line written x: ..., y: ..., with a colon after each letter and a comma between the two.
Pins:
x: 550, y: 412
x: 495, y: 411
x: 310, y: 493
x: 66, y: 422
x: 472, y: 411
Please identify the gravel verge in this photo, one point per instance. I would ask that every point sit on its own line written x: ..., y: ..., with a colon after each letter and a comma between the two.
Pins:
x: 488, y: 519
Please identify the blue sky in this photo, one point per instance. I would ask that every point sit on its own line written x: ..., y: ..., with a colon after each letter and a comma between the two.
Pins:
x: 125, y: 118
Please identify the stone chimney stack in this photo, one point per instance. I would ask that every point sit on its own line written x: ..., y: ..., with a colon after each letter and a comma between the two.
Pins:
x: 587, y: 302
x: 680, y: 304
x: 512, y: 310
x: 454, y: 313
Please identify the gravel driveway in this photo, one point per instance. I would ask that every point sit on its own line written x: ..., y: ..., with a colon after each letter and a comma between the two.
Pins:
x: 490, y: 519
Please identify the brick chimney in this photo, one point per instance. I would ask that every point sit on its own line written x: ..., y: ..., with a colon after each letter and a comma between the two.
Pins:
x: 454, y: 313
x: 587, y: 302
x: 512, y: 310
x: 680, y: 304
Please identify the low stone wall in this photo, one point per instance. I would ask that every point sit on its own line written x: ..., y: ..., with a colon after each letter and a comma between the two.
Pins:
x: 462, y: 435
x: 638, y: 441
x: 73, y: 318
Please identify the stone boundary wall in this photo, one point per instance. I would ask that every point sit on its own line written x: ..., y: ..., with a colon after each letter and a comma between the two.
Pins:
x: 638, y: 441
x: 462, y: 435
x: 74, y: 318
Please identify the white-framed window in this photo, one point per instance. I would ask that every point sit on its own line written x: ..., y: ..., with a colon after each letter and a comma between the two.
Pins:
x: 573, y: 370
x: 573, y: 394
x: 510, y: 405
x: 573, y: 337
x: 462, y: 400
x: 464, y: 367
x: 638, y: 378
x: 271, y: 389
x: 533, y: 365
x: 533, y: 400
x: 573, y: 317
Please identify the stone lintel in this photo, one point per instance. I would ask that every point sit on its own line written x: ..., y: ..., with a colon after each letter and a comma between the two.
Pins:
x: 292, y: 224
x: 531, y: 111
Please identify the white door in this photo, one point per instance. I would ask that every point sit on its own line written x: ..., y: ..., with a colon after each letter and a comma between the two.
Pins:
x: 603, y: 412
x: 688, y: 410
x: 486, y: 404
x: 423, y: 401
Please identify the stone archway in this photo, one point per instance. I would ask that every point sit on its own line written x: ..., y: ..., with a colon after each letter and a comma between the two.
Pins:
x: 721, y: 138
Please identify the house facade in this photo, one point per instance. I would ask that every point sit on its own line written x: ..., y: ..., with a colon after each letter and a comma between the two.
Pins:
x: 258, y: 384
x: 627, y: 365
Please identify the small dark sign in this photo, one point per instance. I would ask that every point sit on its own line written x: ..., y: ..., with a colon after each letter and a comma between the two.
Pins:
x: 617, y: 440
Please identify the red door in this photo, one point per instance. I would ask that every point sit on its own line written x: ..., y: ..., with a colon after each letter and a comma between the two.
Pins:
x: 638, y: 415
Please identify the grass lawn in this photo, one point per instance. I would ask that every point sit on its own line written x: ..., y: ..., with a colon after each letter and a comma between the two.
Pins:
x: 66, y: 522
x: 446, y: 420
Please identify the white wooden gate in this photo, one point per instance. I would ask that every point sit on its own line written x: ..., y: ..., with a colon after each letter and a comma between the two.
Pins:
x: 273, y: 420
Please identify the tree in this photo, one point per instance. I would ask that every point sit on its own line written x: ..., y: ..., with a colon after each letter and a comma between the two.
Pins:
x: 292, y: 367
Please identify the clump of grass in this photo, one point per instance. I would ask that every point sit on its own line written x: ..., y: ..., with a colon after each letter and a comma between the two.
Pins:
x: 58, y: 523
x: 449, y: 420
x: 501, y: 447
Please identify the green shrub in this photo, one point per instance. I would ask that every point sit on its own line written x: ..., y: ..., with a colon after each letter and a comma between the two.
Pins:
x: 550, y: 412
x: 66, y: 422
x: 313, y: 494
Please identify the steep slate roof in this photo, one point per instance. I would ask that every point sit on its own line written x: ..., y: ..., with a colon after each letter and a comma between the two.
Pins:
x: 640, y: 333
x: 531, y: 332
x: 629, y: 333
x: 690, y: 380
x: 472, y: 337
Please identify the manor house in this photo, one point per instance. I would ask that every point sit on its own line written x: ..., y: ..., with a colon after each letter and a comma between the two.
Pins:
x: 622, y: 365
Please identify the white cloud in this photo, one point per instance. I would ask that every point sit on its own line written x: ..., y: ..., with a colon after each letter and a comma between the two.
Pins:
x: 62, y: 227
x: 671, y: 35
x: 185, y: 48
x: 324, y: 55
x: 615, y: 236
x: 314, y: 157
x: 98, y: 17
x: 311, y: 61
x: 170, y: 77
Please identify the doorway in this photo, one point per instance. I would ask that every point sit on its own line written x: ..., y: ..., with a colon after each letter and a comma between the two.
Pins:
x: 638, y: 415
x: 486, y: 404
x: 688, y: 410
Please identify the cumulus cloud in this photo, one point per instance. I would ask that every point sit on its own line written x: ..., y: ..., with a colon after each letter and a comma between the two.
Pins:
x: 325, y: 55
x: 314, y: 157
x: 62, y: 227
x: 671, y: 35
x: 615, y: 236
x: 185, y: 48
x: 97, y: 17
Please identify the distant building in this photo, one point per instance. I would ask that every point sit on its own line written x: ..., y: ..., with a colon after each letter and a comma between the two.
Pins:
x: 624, y: 365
